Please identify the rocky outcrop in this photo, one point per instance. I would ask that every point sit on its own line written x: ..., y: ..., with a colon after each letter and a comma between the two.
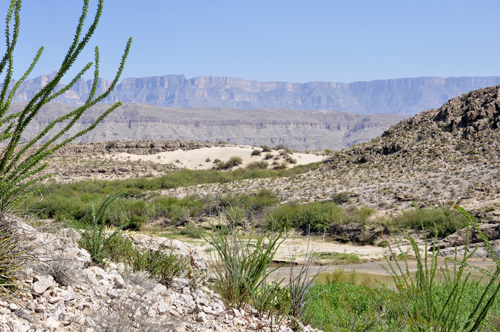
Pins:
x: 480, y: 250
x: 357, y: 233
x: 491, y: 231
x: 403, y: 95
x: 142, y: 147
x: 61, y: 291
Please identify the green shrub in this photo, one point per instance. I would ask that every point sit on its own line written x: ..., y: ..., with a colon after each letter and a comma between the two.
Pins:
x: 250, y: 203
x: 234, y: 161
x: 268, y: 156
x: 443, y: 220
x: 354, y: 214
x: 72, y: 202
x: 261, y: 200
x: 231, y: 163
x: 341, y: 198
x: 192, y: 231
x: 265, y: 148
x: 257, y: 165
x: 256, y: 152
x: 317, y: 215
x: 282, y: 165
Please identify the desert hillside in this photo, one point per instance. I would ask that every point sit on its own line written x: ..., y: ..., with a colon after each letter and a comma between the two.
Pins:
x: 441, y: 155
x: 298, y: 130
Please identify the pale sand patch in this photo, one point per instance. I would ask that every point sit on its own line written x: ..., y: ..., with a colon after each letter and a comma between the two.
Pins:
x: 197, y: 159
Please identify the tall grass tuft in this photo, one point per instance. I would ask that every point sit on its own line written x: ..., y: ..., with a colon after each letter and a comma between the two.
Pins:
x: 95, y: 239
x: 12, y: 252
x: 242, y: 261
x: 300, y: 284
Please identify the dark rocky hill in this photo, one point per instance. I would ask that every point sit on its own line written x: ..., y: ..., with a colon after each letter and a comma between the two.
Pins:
x: 403, y: 95
x: 465, y: 130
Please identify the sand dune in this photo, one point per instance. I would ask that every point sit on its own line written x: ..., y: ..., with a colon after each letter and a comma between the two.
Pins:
x: 204, y: 158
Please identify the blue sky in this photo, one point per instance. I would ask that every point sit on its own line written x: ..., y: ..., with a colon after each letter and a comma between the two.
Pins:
x: 272, y: 40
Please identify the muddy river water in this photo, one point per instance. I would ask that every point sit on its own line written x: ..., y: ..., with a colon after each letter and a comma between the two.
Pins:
x: 373, y: 272
x: 369, y: 271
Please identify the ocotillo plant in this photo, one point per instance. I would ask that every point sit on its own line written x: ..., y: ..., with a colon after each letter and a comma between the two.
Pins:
x: 21, y: 162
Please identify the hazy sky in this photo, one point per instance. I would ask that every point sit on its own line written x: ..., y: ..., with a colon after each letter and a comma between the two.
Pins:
x: 271, y: 40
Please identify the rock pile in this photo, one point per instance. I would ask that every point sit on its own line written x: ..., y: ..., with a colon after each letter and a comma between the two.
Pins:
x: 62, y: 291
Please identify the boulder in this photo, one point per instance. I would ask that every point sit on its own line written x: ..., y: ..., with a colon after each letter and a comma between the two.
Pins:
x: 492, y: 232
x: 42, y: 283
x: 481, y: 252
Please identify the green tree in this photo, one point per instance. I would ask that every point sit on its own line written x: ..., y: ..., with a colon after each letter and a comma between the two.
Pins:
x: 21, y: 162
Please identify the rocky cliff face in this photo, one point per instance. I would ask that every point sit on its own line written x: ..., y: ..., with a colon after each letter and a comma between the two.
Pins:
x: 307, y: 130
x: 403, y: 96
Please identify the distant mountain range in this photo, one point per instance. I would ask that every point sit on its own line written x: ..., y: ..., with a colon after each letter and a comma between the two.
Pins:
x: 406, y: 96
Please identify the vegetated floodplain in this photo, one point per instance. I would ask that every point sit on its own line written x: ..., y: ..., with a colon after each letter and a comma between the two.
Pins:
x: 182, y: 178
x: 72, y: 201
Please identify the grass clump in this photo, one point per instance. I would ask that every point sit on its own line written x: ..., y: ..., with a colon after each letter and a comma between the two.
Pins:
x: 339, y: 275
x: 162, y: 264
x: 338, y: 258
x: 256, y: 152
x: 271, y: 299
